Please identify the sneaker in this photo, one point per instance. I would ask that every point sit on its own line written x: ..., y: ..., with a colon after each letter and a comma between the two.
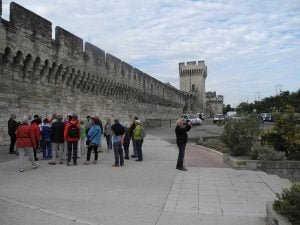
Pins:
x: 115, y: 165
x: 36, y: 165
x: 86, y: 163
x: 182, y: 168
x: 52, y: 163
x: 21, y: 170
x: 95, y: 162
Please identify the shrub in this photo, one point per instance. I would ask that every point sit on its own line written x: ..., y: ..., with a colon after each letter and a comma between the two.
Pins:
x: 288, y: 204
x: 294, y: 156
x: 240, y: 135
x: 266, y: 153
x: 285, y: 135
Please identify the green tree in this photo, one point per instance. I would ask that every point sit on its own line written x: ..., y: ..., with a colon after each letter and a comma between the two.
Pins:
x: 285, y: 135
x: 272, y: 103
x: 227, y: 108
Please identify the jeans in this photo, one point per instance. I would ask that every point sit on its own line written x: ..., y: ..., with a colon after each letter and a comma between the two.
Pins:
x: 47, y: 150
x: 138, y: 144
x: 181, y: 148
x: 118, y: 151
x: 108, y: 141
x: 134, y: 148
x: 72, y: 146
x: 12, y: 143
x: 81, y: 147
x: 126, y: 149
x: 92, y: 147
x: 58, y: 150
x: 29, y: 152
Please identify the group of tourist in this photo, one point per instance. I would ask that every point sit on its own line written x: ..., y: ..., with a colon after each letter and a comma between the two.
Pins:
x: 67, y: 139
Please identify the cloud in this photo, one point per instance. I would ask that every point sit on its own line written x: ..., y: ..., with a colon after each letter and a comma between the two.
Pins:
x: 248, y: 46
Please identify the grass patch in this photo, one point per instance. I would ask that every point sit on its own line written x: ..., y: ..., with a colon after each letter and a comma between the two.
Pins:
x: 215, y: 144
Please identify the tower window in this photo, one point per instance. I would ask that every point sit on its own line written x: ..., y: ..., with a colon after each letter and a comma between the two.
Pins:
x: 193, y: 87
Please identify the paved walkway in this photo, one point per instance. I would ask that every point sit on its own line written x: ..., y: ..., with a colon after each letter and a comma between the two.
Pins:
x: 151, y: 192
x: 197, y: 156
x: 4, y: 156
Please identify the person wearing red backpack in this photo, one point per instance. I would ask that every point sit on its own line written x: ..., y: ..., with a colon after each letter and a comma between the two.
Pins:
x: 72, y: 136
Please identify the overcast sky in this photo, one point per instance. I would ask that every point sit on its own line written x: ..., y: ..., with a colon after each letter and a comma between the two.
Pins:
x: 249, y: 47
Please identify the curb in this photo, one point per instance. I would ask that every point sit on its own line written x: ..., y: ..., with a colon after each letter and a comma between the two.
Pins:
x: 208, y: 149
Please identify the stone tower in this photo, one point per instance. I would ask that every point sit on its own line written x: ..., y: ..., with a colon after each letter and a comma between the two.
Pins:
x: 192, y: 80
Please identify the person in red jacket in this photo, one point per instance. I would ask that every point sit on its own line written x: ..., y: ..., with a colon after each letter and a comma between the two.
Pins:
x: 26, y: 141
x: 72, y: 135
x: 35, y: 124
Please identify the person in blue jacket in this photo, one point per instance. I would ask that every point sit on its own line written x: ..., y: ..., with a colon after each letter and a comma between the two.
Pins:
x: 46, y: 139
x: 94, y: 135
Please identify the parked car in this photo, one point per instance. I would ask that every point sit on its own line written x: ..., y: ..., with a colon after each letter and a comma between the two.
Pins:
x: 236, y: 117
x: 231, y: 114
x: 218, y: 118
x: 266, y: 117
x: 193, y: 118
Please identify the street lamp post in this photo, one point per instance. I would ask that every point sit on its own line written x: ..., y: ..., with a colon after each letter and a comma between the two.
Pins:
x: 279, y: 87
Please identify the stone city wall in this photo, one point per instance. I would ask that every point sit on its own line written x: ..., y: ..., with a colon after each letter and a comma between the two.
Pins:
x: 39, y: 75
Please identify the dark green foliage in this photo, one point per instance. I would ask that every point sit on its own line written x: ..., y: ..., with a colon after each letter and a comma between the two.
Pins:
x: 273, y: 103
x: 285, y: 135
x: 295, y: 156
x: 288, y: 204
x: 240, y: 135
x: 227, y: 108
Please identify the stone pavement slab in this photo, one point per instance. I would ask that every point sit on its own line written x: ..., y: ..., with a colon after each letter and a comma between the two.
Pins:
x: 168, y: 218
x: 223, y: 192
x: 151, y: 192
x: 99, y: 194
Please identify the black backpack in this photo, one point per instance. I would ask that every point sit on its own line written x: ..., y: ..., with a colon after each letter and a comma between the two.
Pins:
x: 73, y: 131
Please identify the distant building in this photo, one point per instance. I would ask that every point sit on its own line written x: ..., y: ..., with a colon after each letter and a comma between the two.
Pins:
x: 214, y: 103
x: 192, y: 80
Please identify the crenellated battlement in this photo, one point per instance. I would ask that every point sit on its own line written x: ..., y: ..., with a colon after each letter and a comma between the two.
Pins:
x: 192, y: 65
x: 35, y: 25
x: 30, y: 36
x: 69, y: 75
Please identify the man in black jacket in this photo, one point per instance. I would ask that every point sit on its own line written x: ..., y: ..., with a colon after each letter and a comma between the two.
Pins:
x: 181, y: 140
x: 57, y: 139
x: 12, y: 127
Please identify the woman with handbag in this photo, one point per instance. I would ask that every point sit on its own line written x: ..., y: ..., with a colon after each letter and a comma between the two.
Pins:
x: 93, y: 140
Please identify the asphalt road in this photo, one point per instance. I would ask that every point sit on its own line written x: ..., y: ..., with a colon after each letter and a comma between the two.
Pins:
x: 206, y: 130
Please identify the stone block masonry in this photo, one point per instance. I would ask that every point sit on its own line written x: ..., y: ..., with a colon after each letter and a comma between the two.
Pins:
x: 39, y: 75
